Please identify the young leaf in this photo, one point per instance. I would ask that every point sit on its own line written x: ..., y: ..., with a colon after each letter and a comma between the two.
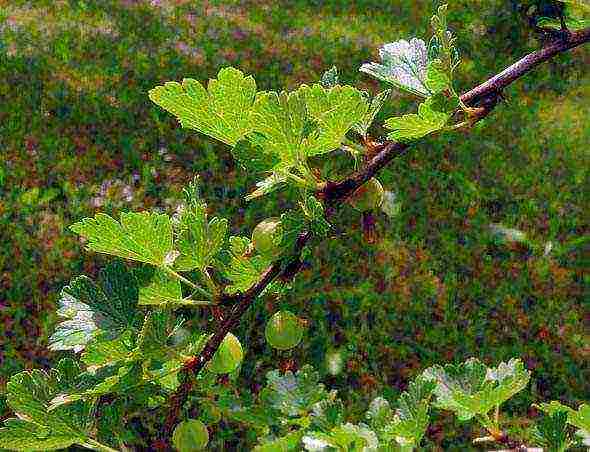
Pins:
x: 471, y: 389
x: 293, y: 394
x: 404, y: 65
x: 327, y: 413
x: 198, y: 239
x: 411, y: 127
x: 362, y: 127
x: 223, y: 111
x: 268, y: 185
x: 108, y: 308
x: 437, y: 80
x: 140, y: 236
x: 29, y: 394
x: 313, y: 210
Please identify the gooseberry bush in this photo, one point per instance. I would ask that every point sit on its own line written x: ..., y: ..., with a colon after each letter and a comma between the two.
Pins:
x: 130, y: 351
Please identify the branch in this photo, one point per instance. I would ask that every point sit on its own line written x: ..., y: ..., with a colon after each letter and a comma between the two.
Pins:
x: 334, y: 193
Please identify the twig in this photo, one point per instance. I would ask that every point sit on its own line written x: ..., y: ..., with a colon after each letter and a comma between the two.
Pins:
x: 334, y: 193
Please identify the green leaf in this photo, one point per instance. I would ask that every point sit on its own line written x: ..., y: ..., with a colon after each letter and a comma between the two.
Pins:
x: 579, y: 419
x: 140, y: 236
x: 334, y: 111
x: 327, y: 413
x: 29, y: 394
x: 346, y: 437
x: 280, y: 120
x: 153, y: 337
x: 250, y: 152
x: 310, y: 121
x: 243, y: 270
x: 437, y: 80
x: 198, y: 239
x: 411, y: 127
x: 289, y: 442
x: 471, y: 389
x: 108, y: 308
x: 105, y: 380
x: 313, y: 210
x: 404, y: 65
x: 551, y: 432
x: 223, y: 111
x: 293, y: 394
x: 103, y: 351
x: 442, y: 44
x: 163, y: 290
x: 408, y: 424
x: 362, y: 127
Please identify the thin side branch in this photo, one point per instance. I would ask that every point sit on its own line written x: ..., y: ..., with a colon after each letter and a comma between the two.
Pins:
x: 335, y: 193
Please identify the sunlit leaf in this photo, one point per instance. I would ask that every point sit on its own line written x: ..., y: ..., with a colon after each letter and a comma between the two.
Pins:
x: 222, y: 111
x: 403, y: 64
x: 410, y: 127
x: 140, y: 236
x: 471, y: 389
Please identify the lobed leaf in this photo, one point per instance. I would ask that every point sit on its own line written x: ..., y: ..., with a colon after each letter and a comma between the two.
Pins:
x: 29, y: 395
x: 140, y: 236
x: 243, y: 270
x: 198, y: 239
x: 411, y: 127
x: 108, y: 308
x: 293, y: 394
x: 471, y: 389
x: 551, y: 432
x: 403, y: 64
x: 362, y: 127
x: 223, y: 111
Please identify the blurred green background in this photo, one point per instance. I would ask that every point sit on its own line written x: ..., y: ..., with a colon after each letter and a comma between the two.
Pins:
x: 79, y: 135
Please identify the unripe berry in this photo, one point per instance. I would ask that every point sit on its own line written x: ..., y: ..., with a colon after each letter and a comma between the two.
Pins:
x: 368, y: 196
x: 284, y: 330
x: 190, y: 435
x: 267, y: 236
x: 228, y: 356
